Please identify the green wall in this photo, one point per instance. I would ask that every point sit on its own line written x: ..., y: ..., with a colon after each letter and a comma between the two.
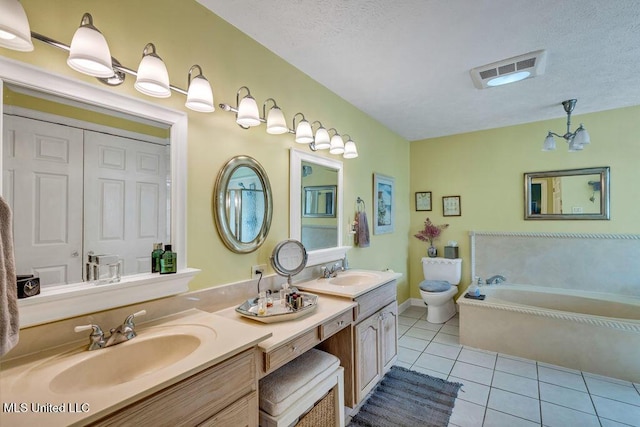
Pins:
x: 186, y: 33
x: 486, y: 169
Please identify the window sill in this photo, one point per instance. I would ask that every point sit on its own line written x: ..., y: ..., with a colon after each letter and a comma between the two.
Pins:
x: 61, y: 302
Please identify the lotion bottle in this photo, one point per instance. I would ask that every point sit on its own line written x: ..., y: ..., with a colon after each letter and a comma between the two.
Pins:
x: 168, y: 261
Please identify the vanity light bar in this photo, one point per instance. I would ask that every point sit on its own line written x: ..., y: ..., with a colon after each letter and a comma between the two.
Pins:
x: 116, y: 64
x: 348, y: 149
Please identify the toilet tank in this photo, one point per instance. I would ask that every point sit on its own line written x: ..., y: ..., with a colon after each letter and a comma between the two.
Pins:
x: 442, y: 269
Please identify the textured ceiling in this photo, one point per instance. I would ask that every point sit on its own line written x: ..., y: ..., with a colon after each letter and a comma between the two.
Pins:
x: 406, y: 62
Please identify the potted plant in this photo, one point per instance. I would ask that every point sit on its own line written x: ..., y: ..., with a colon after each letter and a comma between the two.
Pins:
x: 429, y: 233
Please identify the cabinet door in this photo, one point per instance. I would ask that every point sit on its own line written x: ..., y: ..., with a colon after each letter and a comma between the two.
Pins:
x: 367, y: 355
x: 389, y: 332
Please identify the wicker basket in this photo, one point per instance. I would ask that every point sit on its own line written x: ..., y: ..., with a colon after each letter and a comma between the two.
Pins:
x: 323, y: 414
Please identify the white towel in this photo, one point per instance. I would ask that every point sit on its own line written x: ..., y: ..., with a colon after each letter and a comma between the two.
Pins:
x: 9, y: 326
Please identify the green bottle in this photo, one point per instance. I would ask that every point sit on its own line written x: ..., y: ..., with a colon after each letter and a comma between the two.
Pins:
x: 155, y: 257
x: 168, y: 261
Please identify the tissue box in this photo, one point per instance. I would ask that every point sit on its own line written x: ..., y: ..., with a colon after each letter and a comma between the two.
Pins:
x: 451, y: 252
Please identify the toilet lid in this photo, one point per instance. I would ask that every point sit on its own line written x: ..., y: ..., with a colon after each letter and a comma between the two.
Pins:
x: 435, y: 285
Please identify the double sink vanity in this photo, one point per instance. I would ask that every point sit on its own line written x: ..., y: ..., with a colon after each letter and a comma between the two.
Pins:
x: 201, y: 368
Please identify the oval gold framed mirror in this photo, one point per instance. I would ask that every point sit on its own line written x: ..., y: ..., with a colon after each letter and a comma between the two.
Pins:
x: 243, y: 204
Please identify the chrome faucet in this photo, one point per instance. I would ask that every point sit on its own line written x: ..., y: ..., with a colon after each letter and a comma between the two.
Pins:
x: 494, y: 280
x: 331, y: 271
x: 122, y: 333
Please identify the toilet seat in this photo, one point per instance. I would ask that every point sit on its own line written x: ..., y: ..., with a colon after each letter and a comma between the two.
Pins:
x: 435, y: 286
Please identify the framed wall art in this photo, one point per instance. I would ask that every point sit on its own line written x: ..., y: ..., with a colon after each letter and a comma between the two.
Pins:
x: 451, y: 206
x: 423, y: 200
x: 383, y: 204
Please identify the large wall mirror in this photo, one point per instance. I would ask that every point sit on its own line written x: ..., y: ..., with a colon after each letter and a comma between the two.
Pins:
x: 567, y: 194
x: 86, y: 169
x: 316, y: 188
x: 243, y: 204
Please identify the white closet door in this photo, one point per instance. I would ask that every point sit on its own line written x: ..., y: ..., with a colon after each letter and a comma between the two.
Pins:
x: 45, y: 194
x: 126, y: 199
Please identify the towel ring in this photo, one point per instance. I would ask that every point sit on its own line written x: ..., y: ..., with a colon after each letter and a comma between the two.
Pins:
x: 360, y: 202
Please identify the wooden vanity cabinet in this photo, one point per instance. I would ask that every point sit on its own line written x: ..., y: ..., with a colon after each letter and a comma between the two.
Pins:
x: 369, y: 348
x: 376, y: 348
x: 223, y: 395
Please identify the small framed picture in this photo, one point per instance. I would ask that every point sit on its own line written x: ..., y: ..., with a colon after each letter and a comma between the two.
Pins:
x: 423, y: 200
x: 383, y: 203
x: 451, y: 206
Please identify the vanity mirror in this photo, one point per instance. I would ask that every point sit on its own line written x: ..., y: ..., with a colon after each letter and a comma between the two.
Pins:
x: 315, y: 192
x: 243, y: 204
x: 567, y: 194
x: 78, y: 297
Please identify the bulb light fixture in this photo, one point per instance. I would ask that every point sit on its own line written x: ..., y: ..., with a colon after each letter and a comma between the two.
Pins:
x: 337, y: 144
x: 276, y: 123
x: 304, y: 133
x: 15, y: 33
x: 89, y: 52
x: 577, y: 140
x: 199, y: 93
x: 247, y: 114
x: 350, y: 149
x: 153, y: 78
x: 321, y: 140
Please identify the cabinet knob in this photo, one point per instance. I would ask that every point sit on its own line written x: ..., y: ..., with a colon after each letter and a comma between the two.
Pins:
x: 294, y: 349
x: 341, y: 322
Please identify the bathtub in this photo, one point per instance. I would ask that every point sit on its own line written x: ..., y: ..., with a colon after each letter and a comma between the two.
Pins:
x: 588, y: 331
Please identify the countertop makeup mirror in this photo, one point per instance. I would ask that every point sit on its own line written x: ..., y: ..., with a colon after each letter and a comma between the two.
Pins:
x: 289, y: 258
x: 243, y: 204
x: 68, y: 300
x: 567, y: 194
x: 316, y: 205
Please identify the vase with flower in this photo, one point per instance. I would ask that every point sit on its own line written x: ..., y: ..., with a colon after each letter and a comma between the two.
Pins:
x: 429, y: 233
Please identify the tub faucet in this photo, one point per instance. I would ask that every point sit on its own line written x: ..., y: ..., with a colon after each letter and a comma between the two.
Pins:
x: 122, y: 333
x: 494, y: 280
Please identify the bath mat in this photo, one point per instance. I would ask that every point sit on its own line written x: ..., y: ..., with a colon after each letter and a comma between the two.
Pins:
x: 408, y: 398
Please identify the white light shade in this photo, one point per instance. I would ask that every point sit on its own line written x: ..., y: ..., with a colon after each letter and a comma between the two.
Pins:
x: 153, y: 78
x: 549, y: 143
x: 200, y: 96
x: 508, y: 78
x: 304, y: 134
x: 582, y: 136
x: 322, y: 141
x: 276, y: 123
x: 574, y: 145
x: 248, y: 114
x: 337, y: 145
x: 89, y: 52
x: 350, y: 150
x: 14, y: 27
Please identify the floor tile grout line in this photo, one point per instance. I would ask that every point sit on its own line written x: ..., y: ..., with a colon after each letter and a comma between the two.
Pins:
x: 537, y: 365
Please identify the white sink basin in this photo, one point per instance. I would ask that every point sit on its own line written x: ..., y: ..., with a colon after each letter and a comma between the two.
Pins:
x: 124, y: 362
x: 350, y: 283
x: 354, y: 279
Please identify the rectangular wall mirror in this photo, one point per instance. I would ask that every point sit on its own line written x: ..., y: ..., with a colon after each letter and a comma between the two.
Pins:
x: 567, y: 194
x: 315, y: 198
x: 319, y: 201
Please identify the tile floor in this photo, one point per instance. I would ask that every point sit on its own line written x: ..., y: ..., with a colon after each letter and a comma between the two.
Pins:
x: 503, y: 390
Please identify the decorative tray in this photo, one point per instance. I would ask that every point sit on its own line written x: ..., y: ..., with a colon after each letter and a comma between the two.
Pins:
x: 278, y: 312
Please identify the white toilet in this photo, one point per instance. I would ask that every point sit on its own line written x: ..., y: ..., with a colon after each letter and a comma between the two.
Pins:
x: 442, y: 275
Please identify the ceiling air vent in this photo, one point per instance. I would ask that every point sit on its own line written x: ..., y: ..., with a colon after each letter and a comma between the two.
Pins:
x: 510, y: 70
